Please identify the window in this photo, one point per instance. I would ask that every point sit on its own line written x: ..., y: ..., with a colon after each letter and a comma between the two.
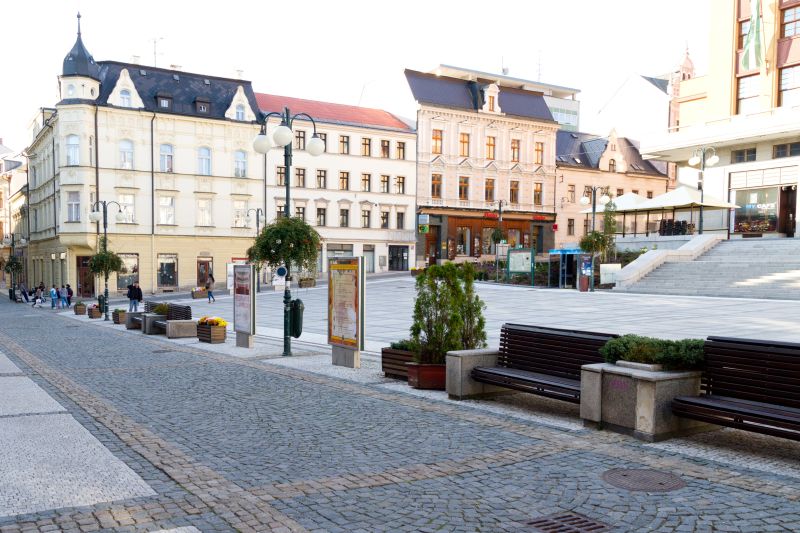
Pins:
x: 204, y: 161
x: 202, y: 107
x: 514, y: 192
x: 344, y: 218
x: 344, y: 181
x: 166, y: 158
x: 747, y: 95
x: 320, y: 216
x: 384, y: 219
x: 463, y: 188
x: 620, y: 192
x: 281, y: 174
x: 490, y: 143
x: 166, y: 210
x: 539, y: 153
x: 400, y: 185
x: 491, y: 103
x: 436, y: 142
x: 401, y: 150
x: 463, y: 240
x: 515, y: 150
x: 204, y: 212
x: 91, y: 150
x: 744, y: 29
x: 366, y: 181
x: 791, y: 22
x: 384, y: 183
x: 401, y: 220
x: 300, y: 177
x: 463, y: 145
x: 385, y: 149
x: 300, y: 212
x: 167, y: 270
x: 757, y: 211
x: 649, y: 194
x: 126, y: 202
x: 571, y: 194
x: 300, y: 140
x: 366, y: 147
x: 365, y: 218
x: 570, y: 226
x: 280, y: 211
x: 165, y: 103
x: 436, y: 185
x: 70, y: 90
x: 344, y: 144
x: 635, y: 191
x: 73, y: 150
x: 538, y: 193
x: 789, y: 94
x: 488, y: 190
x: 743, y: 155
x: 131, y: 274
x: 324, y: 138
x: 73, y: 206
x: 585, y: 226
x: 240, y: 164
x: 240, y: 112
x: 125, y: 98
x: 786, y: 150
x: 322, y: 179
x: 612, y: 165
x: 126, y: 154
x: 240, y: 214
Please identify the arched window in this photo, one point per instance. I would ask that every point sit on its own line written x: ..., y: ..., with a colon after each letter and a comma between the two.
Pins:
x: 240, y: 112
x: 126, y: 154
x: 204, y: 161
x: 70, y: 90
x: 240, y: 164
x: 73, y: 150
x: 166, y: 158
x: 125, y: 98
x: 612, y: 165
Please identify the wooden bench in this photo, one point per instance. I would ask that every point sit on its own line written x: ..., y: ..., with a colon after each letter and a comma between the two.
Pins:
x: 543, y: 361
x: 175, y: 313
x: 748, y: 384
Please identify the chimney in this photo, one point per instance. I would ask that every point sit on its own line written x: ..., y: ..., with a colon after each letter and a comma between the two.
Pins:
x: 505, y: 71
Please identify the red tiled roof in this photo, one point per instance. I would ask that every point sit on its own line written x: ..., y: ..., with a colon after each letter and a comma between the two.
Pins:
x: 328, y: 112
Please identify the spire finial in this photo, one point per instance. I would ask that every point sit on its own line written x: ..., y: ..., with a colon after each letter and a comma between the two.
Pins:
x: 79, y: 22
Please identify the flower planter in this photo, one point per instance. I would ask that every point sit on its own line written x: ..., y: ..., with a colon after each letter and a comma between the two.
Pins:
x: 307, y: 282
x: 94, y: 312
x: 427, y: 376
x: 202, y: 293
x: 119, y: 316
x: 80, y: 309
x: 211, y: 334
x: 417, y: 272
x: 393, y: 363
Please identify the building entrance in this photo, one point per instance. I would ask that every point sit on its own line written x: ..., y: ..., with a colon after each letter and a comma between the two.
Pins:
x: 85, y: 287
x: 398, y: 257
x: 788, y: 199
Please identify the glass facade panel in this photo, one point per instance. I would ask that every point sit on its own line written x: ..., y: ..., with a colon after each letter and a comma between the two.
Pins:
x: 757, y: 211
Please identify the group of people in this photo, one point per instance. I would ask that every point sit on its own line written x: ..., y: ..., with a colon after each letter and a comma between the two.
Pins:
x: 60, y: 298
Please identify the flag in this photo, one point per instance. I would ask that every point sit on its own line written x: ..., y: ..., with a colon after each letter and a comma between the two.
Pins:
x: 753, y: 53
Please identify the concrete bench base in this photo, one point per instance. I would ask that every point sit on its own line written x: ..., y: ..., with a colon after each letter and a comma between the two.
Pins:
x: 177, y: 329
x: 148, y: 328
x: 460, y: 385
x: 130, y: 323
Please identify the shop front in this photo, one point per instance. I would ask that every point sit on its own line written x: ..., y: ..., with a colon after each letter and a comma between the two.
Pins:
x: 765, y: 210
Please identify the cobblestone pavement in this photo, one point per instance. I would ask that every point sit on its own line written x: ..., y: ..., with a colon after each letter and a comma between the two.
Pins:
x: 233, y: 444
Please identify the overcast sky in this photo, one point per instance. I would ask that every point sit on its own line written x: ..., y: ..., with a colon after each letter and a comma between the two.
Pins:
x: 351, y: 51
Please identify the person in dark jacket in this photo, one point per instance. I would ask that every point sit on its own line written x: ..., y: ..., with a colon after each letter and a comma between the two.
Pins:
x: 135, y: 296
x: 70, y: 294
x: 210, y: 288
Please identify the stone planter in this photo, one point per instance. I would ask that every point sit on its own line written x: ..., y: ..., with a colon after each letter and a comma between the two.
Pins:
x: 130, y: 323
x: 629, y: 399
x: 427, y: 376
x: 80, y: 309
x: 393, y: 363
x: 306, y: 283
x: 94, y: 312
x: 119, y: 317
x: 202, y: 293
x: 147, y: 323
x: 460, y: 385
x: 211, y: 334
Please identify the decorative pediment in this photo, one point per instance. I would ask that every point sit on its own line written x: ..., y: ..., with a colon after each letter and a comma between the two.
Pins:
x: 131, y: 98
x: 240, y: 103
x: 491, y: 100
x: 492, y: 166
x: 466, y: 163
x: 517, y: 168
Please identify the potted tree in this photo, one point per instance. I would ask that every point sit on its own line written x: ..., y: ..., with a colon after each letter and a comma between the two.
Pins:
x: 211, y: 329
x: 119, y: 316
x: 286, y: 242
x: 448, y: 315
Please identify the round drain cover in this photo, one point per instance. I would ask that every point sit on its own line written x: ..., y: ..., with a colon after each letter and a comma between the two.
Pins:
x: 643, y: 479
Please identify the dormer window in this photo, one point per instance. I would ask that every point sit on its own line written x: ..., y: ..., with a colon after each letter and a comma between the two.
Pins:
x: 125, y: 98
x: 240, y: 112
x: 165, y: 103
x: 202, y: 108
x: 612, y: 166
x: 491, y: 103
x: 203, y: 105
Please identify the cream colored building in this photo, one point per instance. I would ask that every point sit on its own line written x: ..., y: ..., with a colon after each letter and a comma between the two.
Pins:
x: 749, y: 115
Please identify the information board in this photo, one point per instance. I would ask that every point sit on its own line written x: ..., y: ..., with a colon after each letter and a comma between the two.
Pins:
x: 244, y: 299
x: 519, y: 261
x: 345, y: 302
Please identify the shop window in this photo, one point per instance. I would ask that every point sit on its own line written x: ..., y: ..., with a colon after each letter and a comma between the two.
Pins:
x: 487, y: 244
x: 131, y: 274
x: 513, y: 238
x: 167, y: 271
x: 463, y: 240
x: 757, y: 211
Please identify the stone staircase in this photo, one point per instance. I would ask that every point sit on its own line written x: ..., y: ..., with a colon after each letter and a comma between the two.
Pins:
x: 740, y: 268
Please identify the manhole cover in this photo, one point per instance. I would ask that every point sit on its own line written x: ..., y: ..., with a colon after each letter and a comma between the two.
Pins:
x: 643, y: 479
x: 568, y: 523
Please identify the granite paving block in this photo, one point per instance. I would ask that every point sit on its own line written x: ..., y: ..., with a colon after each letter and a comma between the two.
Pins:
x: 20, y: 395
x: 7, y: 367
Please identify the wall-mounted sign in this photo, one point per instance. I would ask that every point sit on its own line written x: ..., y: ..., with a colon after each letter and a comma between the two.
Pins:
x: 543, y: 217
x: 424, y: 219
x: 491, y: 214
x: 345, y: 302
x: 424, y: 228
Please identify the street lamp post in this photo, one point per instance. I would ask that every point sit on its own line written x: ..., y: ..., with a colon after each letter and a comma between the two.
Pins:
x: 10, y: 240
x: 96, y: 216
x: 282, y: 137
x: 259, y: 213
x: 604, y: 199
x: 700, y: 158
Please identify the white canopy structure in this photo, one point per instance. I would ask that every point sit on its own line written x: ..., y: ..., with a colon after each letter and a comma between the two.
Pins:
x: 682, y: 197
x: 627, y: 202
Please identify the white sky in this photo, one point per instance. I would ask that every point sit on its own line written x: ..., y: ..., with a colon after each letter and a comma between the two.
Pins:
x: 352, y: 51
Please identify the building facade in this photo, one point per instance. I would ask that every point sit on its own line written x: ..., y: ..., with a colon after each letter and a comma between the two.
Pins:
x: 746, y: 110
x: 360, y: 193
x: 485, y: 160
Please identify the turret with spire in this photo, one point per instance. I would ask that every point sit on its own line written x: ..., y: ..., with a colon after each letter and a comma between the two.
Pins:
x: 80, y: 75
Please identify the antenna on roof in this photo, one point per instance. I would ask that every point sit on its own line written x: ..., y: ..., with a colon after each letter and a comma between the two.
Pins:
x: 539, y: 78
x: 79, y: 24
x: 155, y: 45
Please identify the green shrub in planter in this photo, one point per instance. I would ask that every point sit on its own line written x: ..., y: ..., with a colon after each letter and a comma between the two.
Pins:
x: 161, y: 309
x: 684, y: 354
x: 405, y: 344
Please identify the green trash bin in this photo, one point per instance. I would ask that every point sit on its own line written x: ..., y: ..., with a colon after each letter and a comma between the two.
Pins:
x: 296, y: 318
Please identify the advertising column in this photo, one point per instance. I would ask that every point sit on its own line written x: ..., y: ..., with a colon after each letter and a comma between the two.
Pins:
x: 244, y: 305
x: 346, y: 310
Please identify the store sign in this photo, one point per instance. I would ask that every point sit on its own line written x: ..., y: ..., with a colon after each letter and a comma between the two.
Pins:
x: 491, y: 214
x: 424, y: 228
x: 544, y: 218
x: 424, y: 219
x: 244, y: 299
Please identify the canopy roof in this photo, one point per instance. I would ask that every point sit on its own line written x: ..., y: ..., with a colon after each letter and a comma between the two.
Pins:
x: 627, y: 202
x: 682, y: 197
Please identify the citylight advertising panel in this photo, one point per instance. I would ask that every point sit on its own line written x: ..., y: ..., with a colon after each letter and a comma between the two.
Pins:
x: 244, y: 299
x: 345, y: 302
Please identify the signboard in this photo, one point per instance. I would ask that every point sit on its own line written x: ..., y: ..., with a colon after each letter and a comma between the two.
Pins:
x: 586, y: 264
x: 491, y: 214
x: 544, y: 217
x: 519, y: 260
x: 424, y: 219
x: 424, y: 228
x: 502, y: 249
x: 345, y: 302
x: 244, y: 299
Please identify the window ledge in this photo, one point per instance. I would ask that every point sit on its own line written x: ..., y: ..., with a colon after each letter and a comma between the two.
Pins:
x: 202, y: 226
x: 168, y: 225
x: 72, y: 222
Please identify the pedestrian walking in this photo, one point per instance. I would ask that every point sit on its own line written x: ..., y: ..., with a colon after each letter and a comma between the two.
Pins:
x: 69, y: 295
x: 53, y: 297
x: 210, y: 288
x: 63, y: 294
x: 134, y: 296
